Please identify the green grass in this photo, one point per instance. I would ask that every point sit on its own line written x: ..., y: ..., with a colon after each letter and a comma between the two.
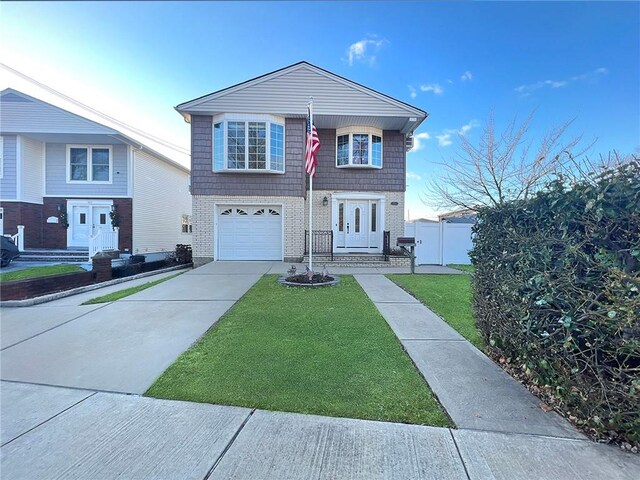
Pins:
x: 447, y: 295
x: 464, y: 268
x: 320, y: 351
x: 112, y: 297
x: 35, y: 272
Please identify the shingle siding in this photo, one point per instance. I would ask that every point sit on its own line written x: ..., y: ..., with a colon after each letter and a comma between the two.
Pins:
x: 206, y: 182
x: 391, y: 178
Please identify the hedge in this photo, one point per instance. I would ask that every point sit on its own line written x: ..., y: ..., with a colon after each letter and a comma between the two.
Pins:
x: 556, y: 297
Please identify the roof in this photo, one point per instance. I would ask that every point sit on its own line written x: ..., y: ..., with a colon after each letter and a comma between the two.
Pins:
x: 52, y: 121
x: 337, y: 101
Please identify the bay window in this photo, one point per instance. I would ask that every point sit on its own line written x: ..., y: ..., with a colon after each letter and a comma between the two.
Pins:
x: 248, y: 144
x: 359, y: 147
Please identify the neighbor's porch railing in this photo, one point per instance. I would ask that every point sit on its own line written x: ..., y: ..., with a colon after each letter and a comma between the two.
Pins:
x: 321, y: 242
x: 18, y: 238
x: 103, y: 240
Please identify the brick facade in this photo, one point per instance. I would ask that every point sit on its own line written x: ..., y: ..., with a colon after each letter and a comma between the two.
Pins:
x: 203, y: 224
x: 393, y: 214
x: 40, y: 234
x: 27, y: 214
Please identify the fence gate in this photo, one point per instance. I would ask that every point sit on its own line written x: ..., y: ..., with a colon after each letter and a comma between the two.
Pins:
x: 440, y: 243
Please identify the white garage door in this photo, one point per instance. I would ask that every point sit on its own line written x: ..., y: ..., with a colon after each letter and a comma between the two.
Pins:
x: 249, y: 232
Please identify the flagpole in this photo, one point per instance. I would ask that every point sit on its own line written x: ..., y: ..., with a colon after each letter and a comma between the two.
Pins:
x: 311, y: 195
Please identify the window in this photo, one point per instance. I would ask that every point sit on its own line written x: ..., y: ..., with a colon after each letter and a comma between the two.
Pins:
x: 359, y: 147
x: 341, y: 217
x: 357, y: 220
x: 186, y: 224
x: 248, y: 146
x: 374, y: 217
x: 88, y: 164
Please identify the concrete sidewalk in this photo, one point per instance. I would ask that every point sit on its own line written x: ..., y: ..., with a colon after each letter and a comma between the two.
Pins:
x: 51, y: 432
x: 474, y: 391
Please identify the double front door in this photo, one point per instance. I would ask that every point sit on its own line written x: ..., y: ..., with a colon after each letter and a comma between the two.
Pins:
x: 84, y: 221
x: 356, y: 226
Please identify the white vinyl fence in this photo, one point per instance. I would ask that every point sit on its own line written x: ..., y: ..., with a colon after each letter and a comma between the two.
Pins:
x: 440, y: 243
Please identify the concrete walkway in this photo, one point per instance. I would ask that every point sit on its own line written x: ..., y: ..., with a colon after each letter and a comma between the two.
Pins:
x: 476, y: 393
x: 60, y: 433
x: 88, y: 431
x: 121, y: 346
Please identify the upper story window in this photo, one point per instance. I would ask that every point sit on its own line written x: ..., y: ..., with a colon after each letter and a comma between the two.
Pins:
x: 359, y: 147
x: 243, y: 143
x: 90, y: 164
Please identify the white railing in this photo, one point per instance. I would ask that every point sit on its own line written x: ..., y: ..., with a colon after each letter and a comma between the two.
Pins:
x: 18, y: 238
x: 103, y: 240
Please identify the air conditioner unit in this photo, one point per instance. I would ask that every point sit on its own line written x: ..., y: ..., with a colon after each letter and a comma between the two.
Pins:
x: 408, y: 142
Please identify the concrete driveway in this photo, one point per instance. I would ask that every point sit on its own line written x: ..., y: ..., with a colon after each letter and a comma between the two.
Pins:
x: 121, y: 346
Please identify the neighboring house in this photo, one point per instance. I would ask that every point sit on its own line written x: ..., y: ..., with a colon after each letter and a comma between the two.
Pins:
x: 64, y: 177
x: 249, y: 186
x: 458, y: 216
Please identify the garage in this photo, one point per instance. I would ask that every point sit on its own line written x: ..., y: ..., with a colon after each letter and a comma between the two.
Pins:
x: 249, y: 232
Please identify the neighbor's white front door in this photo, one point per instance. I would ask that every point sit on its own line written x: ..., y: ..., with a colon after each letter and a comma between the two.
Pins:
x: 84, y: 221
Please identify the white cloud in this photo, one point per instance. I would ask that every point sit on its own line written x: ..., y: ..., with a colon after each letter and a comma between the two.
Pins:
x: 526, y: 89
x: 413, y: 176
x: 465, y: 128
x: 432, y: 87
x: 418, y: 141
x: 412, y: 91
x: 444, y: 139
x: 364, y: 50
x: 466, y: 76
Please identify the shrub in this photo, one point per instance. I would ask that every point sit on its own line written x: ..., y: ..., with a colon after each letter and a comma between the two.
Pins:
x: 556, y: 293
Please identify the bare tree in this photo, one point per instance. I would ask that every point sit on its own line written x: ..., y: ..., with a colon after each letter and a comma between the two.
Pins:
x: 501, y: 167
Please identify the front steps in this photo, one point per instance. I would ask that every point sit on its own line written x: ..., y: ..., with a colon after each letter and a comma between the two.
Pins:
x: 353, y: 260
x: 77, y: 255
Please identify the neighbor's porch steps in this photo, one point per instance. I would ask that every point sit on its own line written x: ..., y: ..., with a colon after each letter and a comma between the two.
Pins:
x: 51, y: 255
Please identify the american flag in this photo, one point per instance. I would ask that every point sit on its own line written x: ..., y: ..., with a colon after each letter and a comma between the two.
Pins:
x: 313, y: 144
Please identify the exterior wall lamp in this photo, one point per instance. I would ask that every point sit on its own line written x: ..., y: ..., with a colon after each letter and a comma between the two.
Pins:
x: 325, y: 201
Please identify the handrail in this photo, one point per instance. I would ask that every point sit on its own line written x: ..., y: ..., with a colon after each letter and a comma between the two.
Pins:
x: 18, y: 238
x: 321, y: 242
x: 103, y: 240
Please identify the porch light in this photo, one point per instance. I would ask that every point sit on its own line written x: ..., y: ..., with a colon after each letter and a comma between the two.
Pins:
x: 325, y: 201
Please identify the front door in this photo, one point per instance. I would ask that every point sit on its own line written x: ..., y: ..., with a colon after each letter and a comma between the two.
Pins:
x: 84, y: 221
x: 357, y: 228
x: 358, y: 224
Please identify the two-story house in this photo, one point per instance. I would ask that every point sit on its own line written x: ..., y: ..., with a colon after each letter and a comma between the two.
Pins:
x: 249, y: 187
x: 66, y: 178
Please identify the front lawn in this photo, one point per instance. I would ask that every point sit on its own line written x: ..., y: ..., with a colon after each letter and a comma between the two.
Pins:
x: 324, y: 351
x: 447, y: 295
x: 35, y: 272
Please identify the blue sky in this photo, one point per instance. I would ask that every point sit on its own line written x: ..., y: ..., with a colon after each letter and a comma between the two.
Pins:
x: 457, y: 61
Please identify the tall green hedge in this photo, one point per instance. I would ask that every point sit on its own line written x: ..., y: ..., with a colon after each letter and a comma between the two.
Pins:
x: 556, y: 292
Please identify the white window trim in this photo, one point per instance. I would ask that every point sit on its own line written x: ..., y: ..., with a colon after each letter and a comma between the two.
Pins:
x: 371, y: 131
x: 90, y: 165
x: 189, y: 224
x: 246, y: 118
